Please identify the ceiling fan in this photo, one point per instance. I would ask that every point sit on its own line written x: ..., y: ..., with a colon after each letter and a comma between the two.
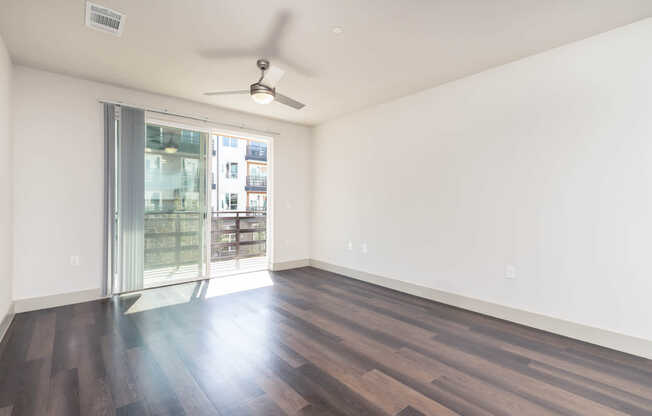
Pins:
x: 263, y: 91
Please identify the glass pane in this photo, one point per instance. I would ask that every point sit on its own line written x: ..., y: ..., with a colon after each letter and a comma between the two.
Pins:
x: 239, y: 205
x: 174, y: 204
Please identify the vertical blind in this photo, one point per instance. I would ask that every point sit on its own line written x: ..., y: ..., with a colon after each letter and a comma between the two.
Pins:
x: 125, y: 180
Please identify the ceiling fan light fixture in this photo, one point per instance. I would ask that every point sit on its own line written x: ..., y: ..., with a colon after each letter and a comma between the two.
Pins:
x: 262, y: 94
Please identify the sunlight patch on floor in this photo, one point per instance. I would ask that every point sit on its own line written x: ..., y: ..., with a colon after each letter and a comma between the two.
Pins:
x: 238, y: 283
x: 160, y: 298
x: 196, y: 291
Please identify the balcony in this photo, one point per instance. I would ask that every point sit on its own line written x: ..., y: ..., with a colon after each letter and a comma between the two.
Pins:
x: 238, y: 235
x: 256, y: 183
x: 256, y: 152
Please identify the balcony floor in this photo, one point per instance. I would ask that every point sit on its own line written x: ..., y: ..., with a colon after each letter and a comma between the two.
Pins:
x: 169, y: 275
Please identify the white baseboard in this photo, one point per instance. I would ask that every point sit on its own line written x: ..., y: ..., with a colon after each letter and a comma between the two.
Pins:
x: 6, y: 321
x: 285, y: 265
x: 625, y: 343
x: 32, y: 304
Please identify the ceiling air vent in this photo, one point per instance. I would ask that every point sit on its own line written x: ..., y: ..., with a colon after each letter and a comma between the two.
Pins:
x: 104, y: 19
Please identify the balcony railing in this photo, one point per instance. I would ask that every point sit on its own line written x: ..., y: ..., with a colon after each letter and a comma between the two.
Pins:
x: 172, y: 239
x: 238, y: 235
x: 256, y: 183
x: 256, y: 152
x: 175, y: 239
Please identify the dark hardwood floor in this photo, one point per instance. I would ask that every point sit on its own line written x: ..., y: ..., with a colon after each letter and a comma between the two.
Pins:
x: 313, y: 343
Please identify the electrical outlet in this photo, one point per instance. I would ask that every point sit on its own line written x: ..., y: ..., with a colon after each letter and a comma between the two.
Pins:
x: 364, y: 248
x: 510, y: 271
x: 74, y: 260
x: 349, y: 246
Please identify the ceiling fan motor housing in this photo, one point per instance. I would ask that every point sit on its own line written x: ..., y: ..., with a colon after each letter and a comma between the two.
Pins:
x: 259, y: 88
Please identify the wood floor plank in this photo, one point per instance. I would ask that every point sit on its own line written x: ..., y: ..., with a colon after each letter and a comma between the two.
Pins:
x: 518, y: 381
x: 498, y: 401
x: 263, y: 405
x: 409, y: 411
x: 317, y: 353
x: 392, y: 396
x: 218, y: 379
x: 255, y: 362
x: 191, y: 396
x: 632, y: 404
x: 603, y: 377
x: 312, y: 344
x: 353, y: 340
x: 133, y: 409
x: 123, y: 387
x: 64, y: 394
x: 337, y: 394
x: 401, y: 311
x: 42, y: 341
x: 32, y: 387
x: 160, y: 399
x: 374, y: 320
x: 387, y: 359
x: 285, y: 397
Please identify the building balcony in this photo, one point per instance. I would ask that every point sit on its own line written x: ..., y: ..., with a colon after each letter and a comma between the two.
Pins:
x: 256, y: 152
x: 256, y: 183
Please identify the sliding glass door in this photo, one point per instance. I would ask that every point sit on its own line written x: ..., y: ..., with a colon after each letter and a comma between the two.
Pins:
x: 175, y: 204
x: 179, y: 212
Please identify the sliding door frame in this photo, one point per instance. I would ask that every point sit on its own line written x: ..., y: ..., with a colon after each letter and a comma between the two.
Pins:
x: 211, y: 130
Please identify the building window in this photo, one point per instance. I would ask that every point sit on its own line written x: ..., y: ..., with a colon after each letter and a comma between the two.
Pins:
x: 231, y: 170
x: 230, y: 201
x: 229, y: 141
x: 257, y: 170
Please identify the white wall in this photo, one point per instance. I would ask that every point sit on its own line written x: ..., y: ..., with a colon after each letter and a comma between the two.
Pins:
x: 5, y: 182
x: 544, y: 163
x: 58, y: 179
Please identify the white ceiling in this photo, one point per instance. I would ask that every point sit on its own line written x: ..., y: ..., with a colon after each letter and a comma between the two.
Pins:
x: 388, y: 48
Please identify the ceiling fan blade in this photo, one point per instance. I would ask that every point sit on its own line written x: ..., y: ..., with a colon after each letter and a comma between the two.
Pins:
x: 227, y: 92
x: 270, y: 46
x: 273, y: 75
x: 228, y: 53
x: 289, y: 101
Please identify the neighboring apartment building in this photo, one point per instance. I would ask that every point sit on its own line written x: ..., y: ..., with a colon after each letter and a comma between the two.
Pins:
x: 239, y: 174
